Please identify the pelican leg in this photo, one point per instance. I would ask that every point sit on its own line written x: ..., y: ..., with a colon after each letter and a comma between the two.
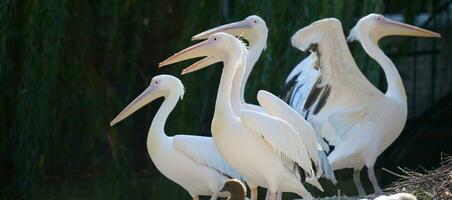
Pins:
x: 279, y: 195
x: 267, y: 196
x: 358, y: 184
x: 305, y: 194
x: 196, y: 197
x: 254, y: 193
x: 272, y: 195
x: 373, y: 179
x: 213, y: 197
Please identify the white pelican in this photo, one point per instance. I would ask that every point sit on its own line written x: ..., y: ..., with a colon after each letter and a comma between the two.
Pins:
x: 254, y: 29
x: 341, y: 104
x: 193, y: 162
x: 265, y: 150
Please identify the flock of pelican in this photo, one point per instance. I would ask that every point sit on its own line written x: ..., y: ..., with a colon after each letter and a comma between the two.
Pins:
x: 281, y: 144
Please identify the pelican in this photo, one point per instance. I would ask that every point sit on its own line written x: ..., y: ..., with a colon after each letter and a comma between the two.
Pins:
x: 254, y: 29
x: 265, y: 150
x: 340, y: 103
x: 191, y: 161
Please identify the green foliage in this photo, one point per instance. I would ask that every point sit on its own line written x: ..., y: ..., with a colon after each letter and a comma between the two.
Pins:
x: 68, y: 67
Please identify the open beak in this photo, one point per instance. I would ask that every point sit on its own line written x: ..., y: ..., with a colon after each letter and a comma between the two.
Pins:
x: 145, y: 97
x: 202, y: 49
x: 235, y: 29
x: 398, y: 28
x: 200, y: 64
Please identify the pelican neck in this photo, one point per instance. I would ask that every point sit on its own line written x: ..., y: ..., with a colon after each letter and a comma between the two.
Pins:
x: 224, y: 96
x: 255, y: 51
x: 157, y: 129
x: 395, y: 88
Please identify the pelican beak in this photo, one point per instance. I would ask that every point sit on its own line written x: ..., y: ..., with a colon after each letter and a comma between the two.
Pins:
x: 202, y: 49
x: 145, y: 97
x: 235, y: 29
x: 398, y: 28
x: 200, y: 64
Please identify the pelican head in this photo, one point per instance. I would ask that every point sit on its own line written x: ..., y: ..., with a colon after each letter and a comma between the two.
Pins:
x: 251, y: 28
x: 160, y: 86
x: 377, y: 26
x: 235, y: 188
x: 216, y: 48
x: 314, y: 33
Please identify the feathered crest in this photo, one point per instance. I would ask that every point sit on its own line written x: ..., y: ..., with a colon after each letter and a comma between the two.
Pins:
x: 244, y: 47
x: 240, y: 37
x: 181, y: 89
x: 353, y: 35
x: 181, y: 92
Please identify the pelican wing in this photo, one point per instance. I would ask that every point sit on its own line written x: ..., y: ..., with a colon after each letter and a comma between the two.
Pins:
x: 248, y: 106
x: 282, y: 137
x: 279, y: 109
x: 340, y: 91
x: 202, y: 150
x: 300, y: 81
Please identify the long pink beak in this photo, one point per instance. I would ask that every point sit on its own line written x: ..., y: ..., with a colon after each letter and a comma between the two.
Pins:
x: 202, y: 49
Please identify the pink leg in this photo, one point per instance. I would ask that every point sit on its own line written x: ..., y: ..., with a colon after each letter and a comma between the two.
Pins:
x: 254, y: 193
x: 279, y: 195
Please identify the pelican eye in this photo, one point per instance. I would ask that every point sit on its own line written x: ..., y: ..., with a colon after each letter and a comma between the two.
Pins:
x: 255, y: 21
x: 214, y: 39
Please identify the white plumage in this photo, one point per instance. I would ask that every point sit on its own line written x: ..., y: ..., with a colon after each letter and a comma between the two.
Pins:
x: 193, y: 162
x: 255, y: 31
x: 398, y: 196
x: 249, y: 141
x: 278, y: 108
x: 340, y: 103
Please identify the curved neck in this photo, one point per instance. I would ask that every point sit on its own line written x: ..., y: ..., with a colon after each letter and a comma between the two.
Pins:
x: 395, y: 84
x: 224, y: 96
x: 256, y: 48
x: 237, y: 98
x: 243, y: 71
x: 157, y: 129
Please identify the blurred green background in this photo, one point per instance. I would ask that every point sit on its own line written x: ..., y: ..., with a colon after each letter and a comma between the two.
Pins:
x: 68, y: 67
